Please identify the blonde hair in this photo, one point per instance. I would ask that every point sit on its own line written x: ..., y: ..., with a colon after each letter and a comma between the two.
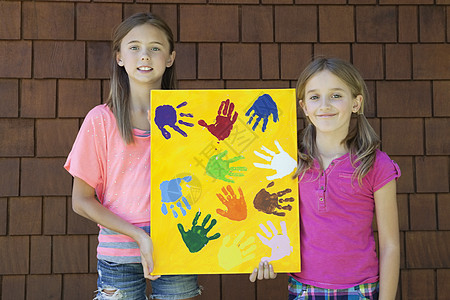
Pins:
x: 119, y: 95
x: 361, y: 140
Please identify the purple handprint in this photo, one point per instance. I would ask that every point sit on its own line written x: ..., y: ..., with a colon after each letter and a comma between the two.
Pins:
x: 166, y: 115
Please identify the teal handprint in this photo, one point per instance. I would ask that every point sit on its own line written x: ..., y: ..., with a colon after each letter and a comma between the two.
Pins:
x: 219, y: 168
x: 195, y: 238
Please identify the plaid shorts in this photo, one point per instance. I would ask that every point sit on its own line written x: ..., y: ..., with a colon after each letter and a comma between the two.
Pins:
x: 300, y: 291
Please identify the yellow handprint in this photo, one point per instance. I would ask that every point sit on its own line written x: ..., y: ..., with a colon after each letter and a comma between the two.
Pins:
x: 237, y: 253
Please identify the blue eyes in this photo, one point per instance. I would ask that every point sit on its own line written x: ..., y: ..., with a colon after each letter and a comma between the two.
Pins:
x: 135, y: 48
x: 333, y: 96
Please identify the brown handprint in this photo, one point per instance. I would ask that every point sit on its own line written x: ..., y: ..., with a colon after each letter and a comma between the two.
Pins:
x: 236, y: 207
x: 269, y: 203
x: 224, y: 122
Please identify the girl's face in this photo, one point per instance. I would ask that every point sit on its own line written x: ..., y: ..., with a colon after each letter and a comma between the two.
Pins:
x: 145, y: 55
x: 328, y: 103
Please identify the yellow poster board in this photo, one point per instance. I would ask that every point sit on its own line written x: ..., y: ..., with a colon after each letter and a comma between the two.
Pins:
x: 223, y: 197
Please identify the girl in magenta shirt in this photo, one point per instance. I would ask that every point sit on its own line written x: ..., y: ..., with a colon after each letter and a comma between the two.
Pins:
x: 343, y: 180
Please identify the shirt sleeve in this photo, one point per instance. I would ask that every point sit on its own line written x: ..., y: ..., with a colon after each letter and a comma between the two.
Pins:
x: 384, y: 170
x: 88, y: 154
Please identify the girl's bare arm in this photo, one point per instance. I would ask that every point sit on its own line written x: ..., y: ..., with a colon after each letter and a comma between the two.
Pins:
x: 85, y: 204
x: 389, y: 240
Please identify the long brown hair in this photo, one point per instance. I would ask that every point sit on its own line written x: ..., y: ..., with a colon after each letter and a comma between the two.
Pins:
x: 119, y: 95
x: 361, y: 140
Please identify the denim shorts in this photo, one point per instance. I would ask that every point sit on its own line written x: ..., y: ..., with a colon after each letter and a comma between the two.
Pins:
x: 128, y: 282
x: 300, y: 291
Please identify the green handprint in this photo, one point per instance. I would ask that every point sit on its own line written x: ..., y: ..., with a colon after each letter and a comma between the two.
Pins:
x: 219, y: 168
x: 195, y: 238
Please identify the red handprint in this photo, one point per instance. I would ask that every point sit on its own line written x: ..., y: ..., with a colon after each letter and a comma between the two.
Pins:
x: 236, y: 207
x: 224, y: 122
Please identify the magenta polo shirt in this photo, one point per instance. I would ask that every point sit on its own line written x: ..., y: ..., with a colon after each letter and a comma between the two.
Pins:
x: 337, y: 241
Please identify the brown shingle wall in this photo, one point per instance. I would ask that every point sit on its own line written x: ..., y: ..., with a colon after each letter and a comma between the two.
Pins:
x: 54, y: 67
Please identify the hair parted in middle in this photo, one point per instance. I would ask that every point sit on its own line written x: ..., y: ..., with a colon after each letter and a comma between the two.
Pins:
x: 119, y: 94
x: 361, y: 140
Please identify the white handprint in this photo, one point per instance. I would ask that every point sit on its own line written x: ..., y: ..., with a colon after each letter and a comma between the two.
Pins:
x: 280, y: 244
x: 281, y: 162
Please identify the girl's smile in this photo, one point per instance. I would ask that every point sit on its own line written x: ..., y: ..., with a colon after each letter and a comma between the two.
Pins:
x: 326, y: 115
x: 144, y: 68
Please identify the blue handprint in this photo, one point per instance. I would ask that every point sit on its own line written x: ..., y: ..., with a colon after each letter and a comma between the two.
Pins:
x: 171, y: 191
x: 166, y: 115
x: 263, y: 107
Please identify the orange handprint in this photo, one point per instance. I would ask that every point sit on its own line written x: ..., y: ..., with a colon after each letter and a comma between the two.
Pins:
x: 236, y: 207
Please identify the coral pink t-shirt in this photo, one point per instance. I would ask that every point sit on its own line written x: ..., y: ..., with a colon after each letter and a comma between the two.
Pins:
x: 119, y: 173
x: 337, y: 241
